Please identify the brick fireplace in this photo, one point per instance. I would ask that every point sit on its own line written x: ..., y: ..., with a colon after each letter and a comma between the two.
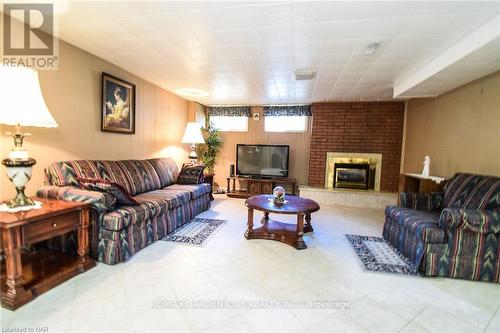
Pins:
x: 357, y: 127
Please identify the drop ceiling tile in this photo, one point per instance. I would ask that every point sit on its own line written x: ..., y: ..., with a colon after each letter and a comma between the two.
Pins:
x: 345, y: 84
x: 325, y: 88
x: 362, y: 29
x: 279, y: 14
x: 168, y: 24
x: 235, y: 18
x: 360, y: 59
x: 139, y: 27
x: 226, y: 38
x: 147, y: 8
x: 281, y: 65
x: 254, y: 46
x: 402, y: 55
x: 345, y: 45
x: 306, y: 63
x: 335, y: 58
x: 229, y: 53
x: 94, y: 11
x: 184, y: 6
x: 443, y: 24
x: 327, y: 76
x: 311, y: 12
x: 350, y: 76
x: 356, y: 67
x: 93, y: 31
x: 284, y: 79
x: 185, y: 42
x: 312, y: 46
x: 277, y: 33
x: 251, y: 52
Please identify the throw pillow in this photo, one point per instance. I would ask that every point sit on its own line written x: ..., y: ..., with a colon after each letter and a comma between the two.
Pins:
x: 116, y: 190
x: 191, y: 174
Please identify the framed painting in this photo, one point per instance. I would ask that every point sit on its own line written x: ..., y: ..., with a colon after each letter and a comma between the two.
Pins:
x: 118, y: 105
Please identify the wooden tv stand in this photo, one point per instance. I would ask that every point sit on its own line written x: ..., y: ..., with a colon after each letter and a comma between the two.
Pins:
x: 256, y: 186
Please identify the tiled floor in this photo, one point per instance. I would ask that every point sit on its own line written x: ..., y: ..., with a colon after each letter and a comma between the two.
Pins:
x: 230, y: 268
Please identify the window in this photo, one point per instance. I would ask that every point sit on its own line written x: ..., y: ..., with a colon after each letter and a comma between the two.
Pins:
x: 286, y: 124
x: 230, y: 124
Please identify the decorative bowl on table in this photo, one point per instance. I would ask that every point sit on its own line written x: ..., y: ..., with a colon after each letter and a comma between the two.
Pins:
x: 279, y: 195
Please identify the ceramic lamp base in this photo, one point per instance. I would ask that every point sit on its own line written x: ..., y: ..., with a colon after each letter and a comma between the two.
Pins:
x: 193, y: 157
x: 20, y: 200
x: 19, y: 173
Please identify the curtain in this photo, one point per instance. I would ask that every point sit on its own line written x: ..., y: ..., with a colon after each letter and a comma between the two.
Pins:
x: 287, y: 110
x: 229, y: 111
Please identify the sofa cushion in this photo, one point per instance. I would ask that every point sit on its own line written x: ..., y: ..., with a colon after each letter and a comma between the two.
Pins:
x: 196, y: 191
x: 171, y: 198
x: 141, y: 176
x: 468, y: 191
x: 150, y: 205
x: 124, y: 216
x: 421, y: 201
x: 67, y: 173
x: 120, y: 193
x: 423, y: 225
x: 167, y: 170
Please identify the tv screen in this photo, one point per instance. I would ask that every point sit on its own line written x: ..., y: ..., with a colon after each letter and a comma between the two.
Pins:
x: 262, y: 160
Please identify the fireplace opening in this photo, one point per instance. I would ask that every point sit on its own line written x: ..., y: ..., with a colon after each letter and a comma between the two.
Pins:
x: 358, y: 171
x: 351, y: 175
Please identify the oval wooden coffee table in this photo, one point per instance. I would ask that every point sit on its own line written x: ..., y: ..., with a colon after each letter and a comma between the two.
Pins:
x: 283, y: 232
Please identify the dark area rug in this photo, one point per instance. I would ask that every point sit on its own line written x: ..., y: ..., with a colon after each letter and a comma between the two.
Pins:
x: 196, y: 232
x: 380, y: 256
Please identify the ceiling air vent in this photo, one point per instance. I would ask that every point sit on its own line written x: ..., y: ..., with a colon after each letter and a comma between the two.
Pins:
x: 304, y: 75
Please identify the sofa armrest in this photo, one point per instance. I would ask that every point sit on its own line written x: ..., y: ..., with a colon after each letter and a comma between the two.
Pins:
x: 421, y: 201
x: 101, y: 202
x: 477, y: 221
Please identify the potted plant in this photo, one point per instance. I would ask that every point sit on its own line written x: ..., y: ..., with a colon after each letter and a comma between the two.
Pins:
x: 209, y: 151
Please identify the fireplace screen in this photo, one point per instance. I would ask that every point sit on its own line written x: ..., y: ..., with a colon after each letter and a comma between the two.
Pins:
x: 351, y: 175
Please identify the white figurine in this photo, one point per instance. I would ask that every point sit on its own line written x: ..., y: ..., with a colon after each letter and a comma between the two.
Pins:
x: 427, y: 162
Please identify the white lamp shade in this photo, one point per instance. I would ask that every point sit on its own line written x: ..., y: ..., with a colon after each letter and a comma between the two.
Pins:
x: 192, y: 134
x: 21, y: 100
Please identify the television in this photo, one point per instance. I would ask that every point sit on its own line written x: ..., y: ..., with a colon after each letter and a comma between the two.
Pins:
x: 262, y: 160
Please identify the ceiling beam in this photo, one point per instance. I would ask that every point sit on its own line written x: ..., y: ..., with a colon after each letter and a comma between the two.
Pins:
x: 477, y: 39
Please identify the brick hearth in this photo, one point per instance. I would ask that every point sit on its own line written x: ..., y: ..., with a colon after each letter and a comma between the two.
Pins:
x: 360, y: 127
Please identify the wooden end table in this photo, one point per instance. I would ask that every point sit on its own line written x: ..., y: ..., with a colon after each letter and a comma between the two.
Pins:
x: 279, y: 231
x: 25, y: 275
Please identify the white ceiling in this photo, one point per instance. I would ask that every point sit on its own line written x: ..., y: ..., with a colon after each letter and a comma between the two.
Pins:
x: 246, y: 52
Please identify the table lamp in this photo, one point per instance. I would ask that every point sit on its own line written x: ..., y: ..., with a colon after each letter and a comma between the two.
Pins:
x: 21, y: 104
x: 193, y: 135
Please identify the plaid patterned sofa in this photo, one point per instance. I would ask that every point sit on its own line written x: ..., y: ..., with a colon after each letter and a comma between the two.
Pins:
x: 453, y: 234
x: 119, y: 232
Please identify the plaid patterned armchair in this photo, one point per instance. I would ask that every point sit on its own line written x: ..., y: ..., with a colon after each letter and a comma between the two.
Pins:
x: 453, y: 234
x: 118, y: 232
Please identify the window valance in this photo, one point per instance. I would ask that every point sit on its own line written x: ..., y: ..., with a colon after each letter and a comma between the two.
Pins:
x: 229, y: 111
x: 287, y: 110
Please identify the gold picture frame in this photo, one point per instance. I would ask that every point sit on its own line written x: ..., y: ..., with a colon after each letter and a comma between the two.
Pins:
x: 118, y: 105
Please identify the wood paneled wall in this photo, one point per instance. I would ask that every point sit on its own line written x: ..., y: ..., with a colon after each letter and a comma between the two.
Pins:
x: 73, y: 96
x: 459, y: 130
